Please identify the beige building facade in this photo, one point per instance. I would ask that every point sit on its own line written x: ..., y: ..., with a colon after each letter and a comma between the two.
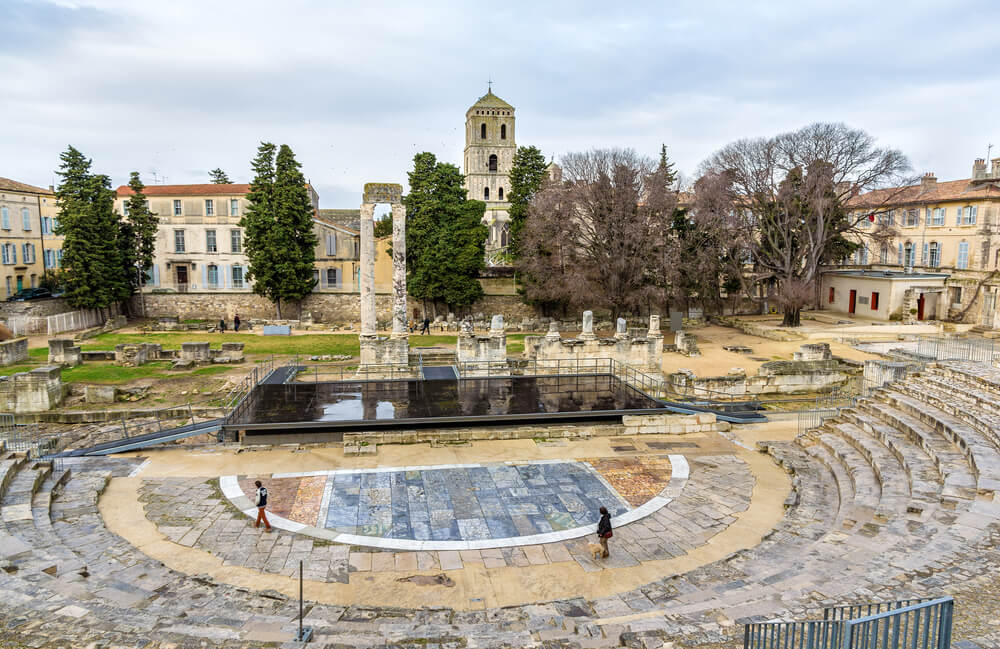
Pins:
x: 28, y: 244
x: 488, y: 158
x: 950, y: 227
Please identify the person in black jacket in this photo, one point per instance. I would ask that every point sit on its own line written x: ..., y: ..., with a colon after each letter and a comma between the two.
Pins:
x: 604, y: 530
x: 261, y: 503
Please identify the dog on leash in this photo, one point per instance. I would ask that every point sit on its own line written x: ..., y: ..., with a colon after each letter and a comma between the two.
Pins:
x: 595, y: 550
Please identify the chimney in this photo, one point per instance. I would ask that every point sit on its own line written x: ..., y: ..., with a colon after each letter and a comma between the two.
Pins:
x: 52, y: 188
x: 928, y: 181
x: 979, y: 169
x: 995, y: 168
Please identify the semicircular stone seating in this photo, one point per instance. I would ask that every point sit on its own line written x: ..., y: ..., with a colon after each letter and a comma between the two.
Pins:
x: 896, y: 497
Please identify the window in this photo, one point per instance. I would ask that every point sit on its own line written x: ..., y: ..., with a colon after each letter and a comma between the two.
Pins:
x: 938, y: 216
x: 235, y: 242
x: 178, y: 240
x: 49, y: 258
x: 908, y: 255
x: 500, y: 194
x: 125, y: 208
x: 25, y: 218
x: 493, y: 162
x: 865, y: 220
x: 315, y: 279
x: 911, y: 218
x: 504, y: 235
x: 209, y: 207
x: 46, y: 225
x: 969, y: 217
x: 28, y: 253
x: 503, y: 131
x: 331, y: 244
x: 482, y: 131
x: 874, y: 301
x: 4, y: 218
x: 883, y: 257
x: 956, y: 294
x: 861, y: 255
x: 963, y: 255
x: 177, y: 208
x: 234, y: 206
x: 333, y: 277
x: 210, y: 245
x: 832, y: 294
x: 237, y: 276
x: 213, y: 276
x: 9, y: 253
x: 486, y: 193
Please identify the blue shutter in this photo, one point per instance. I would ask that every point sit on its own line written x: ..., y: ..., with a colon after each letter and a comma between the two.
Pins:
x: 923, y: 256
x: 975, y: 209
x: 228, y: 278
x: 899, y: 255
x: 156, y: 275
x: 204, y: 276
x: 958, y: 219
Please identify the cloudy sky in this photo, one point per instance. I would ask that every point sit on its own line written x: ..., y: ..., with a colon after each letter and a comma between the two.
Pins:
x: 356, y: 89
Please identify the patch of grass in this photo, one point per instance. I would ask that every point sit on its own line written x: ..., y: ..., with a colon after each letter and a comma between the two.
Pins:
x: 210, y: 370
x: 107, y: 373
x: 195, y: 321
x: 416, y: 340
x: 39, y: 354
x: 14, y: 369
x: 305, y: 344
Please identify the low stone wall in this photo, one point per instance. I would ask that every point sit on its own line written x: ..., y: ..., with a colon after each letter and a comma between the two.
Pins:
x: 63, y: 352
x: 667, y: 423
x: 35, y: 308
x: 329, y: 308
x: 35, y: 391
x: 642, y: 352
x: 13, y: 351
x: 776, y: 377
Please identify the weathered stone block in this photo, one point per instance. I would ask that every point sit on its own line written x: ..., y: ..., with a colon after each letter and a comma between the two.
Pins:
x: 277, y: 330
x: 13, y: 351
x: 197, y: 352
x: 130, y: 355
x: 63, y: 352
x: 99, y: 393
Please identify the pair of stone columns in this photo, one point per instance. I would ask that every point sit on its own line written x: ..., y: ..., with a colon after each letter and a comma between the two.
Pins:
x: 368, y: 319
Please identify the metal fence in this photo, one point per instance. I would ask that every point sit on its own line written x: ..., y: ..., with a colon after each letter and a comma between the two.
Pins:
x: 60, y: 322
x: 953, y: 348
x: 889, y: 625
x: 25, y: 438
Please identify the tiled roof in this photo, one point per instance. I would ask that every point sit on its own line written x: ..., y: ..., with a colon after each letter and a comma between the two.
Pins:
x: 938, y: 192
x: 206, y: 189
x: 350, y: 219
x: 489, y: 100
x: 8, y: 185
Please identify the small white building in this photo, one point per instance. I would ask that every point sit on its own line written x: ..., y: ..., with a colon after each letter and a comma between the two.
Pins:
x: 885, y: 295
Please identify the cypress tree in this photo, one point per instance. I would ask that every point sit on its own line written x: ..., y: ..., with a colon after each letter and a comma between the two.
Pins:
x: 278, y: 233
x: 92, y: 260
x: 137, y: 235
x: 527, y: 173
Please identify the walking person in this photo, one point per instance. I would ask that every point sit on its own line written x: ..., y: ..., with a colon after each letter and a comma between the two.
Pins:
x: 604, y: 530
x: 261, y: 503
x: 427, y: 326
x: 222, y: 325
x: 236, y: 322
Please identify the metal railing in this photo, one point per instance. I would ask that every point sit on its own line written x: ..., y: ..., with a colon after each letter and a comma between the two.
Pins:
x: 954, y: 348
x: 24, y: 438
x: 889, y: 625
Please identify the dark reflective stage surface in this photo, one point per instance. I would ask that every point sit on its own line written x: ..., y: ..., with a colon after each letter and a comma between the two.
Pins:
x: 411, y: 399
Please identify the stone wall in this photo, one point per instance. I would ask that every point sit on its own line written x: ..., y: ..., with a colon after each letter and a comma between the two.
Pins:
x: 63, y: 352
x: 13, y: 351
x: 35, y: 308
x: 328, y: 308
x: 642, y: 352
x: 35, y: 391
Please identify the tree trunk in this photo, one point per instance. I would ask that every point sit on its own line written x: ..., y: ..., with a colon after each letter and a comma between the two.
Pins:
x: 791, y: 318
x: 277, y: 306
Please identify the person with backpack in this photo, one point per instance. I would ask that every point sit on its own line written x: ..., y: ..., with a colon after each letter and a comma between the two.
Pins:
x: 261, y: 502
x: 236, y: 322
x: 604, y: 530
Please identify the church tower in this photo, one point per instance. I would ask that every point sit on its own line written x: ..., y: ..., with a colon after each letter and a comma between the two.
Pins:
x: 489, y: 154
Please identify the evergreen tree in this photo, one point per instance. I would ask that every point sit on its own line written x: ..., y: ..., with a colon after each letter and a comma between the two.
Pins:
x: 137, y: 234
x: 445, y: 237
x: 667, y: 168
x: 278, y: 229
x: 219, y: 177
x: 527, y: 174
x: 92, y: 260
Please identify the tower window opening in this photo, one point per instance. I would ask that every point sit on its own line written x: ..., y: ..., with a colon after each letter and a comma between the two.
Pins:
x: 503, y: 131
x: 486, y: 193
x: 482, y: 132
x: 500, y: 194
x: 493, y: 162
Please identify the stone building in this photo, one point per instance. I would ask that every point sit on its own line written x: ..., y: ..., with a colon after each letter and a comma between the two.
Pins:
x: 28, y: 244
x: 489, y: 155
x: 950, y: 227
x: 338, y: 254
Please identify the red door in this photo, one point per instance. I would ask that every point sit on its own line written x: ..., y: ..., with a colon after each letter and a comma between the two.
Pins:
x: 920, y: 307
x: 854, y: 298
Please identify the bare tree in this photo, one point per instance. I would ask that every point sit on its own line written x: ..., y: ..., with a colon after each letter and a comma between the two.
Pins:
x: 793, y: 198
x: 592, y: 239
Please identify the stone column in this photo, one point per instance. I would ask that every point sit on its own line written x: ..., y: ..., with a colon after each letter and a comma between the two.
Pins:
x: 621, y: 331
x: 496, y: 325
x: 368, y: 270
x: 553, y: 333
x: 654, y: 327
x: 588, y: 326
x: 399, y: 329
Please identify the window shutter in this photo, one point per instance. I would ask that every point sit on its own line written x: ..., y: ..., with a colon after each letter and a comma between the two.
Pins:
x: 899, y: 255
x: 958, y: 220
x: 204, y: 276
x: 222, y: 207
x: 975, y: 210
x: 156, y: 275
x: 227, y: 277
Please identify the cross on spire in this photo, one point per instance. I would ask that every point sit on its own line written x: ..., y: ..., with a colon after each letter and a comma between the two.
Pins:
x: 489, y: 84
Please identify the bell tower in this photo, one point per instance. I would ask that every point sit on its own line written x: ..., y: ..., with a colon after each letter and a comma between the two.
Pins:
x: 489, y: 154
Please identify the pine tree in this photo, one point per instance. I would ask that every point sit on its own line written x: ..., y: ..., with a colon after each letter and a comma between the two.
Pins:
x: 92, y: 260
x: 527, y: 174
x: 278, y: 231
x: 219, y: 177
x: 667, y: 168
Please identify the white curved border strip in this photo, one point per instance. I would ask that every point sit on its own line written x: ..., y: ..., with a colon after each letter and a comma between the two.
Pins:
x: 679, y: 473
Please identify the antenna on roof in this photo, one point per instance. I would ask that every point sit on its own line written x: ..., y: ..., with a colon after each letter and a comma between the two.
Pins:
x: 989, y: 147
